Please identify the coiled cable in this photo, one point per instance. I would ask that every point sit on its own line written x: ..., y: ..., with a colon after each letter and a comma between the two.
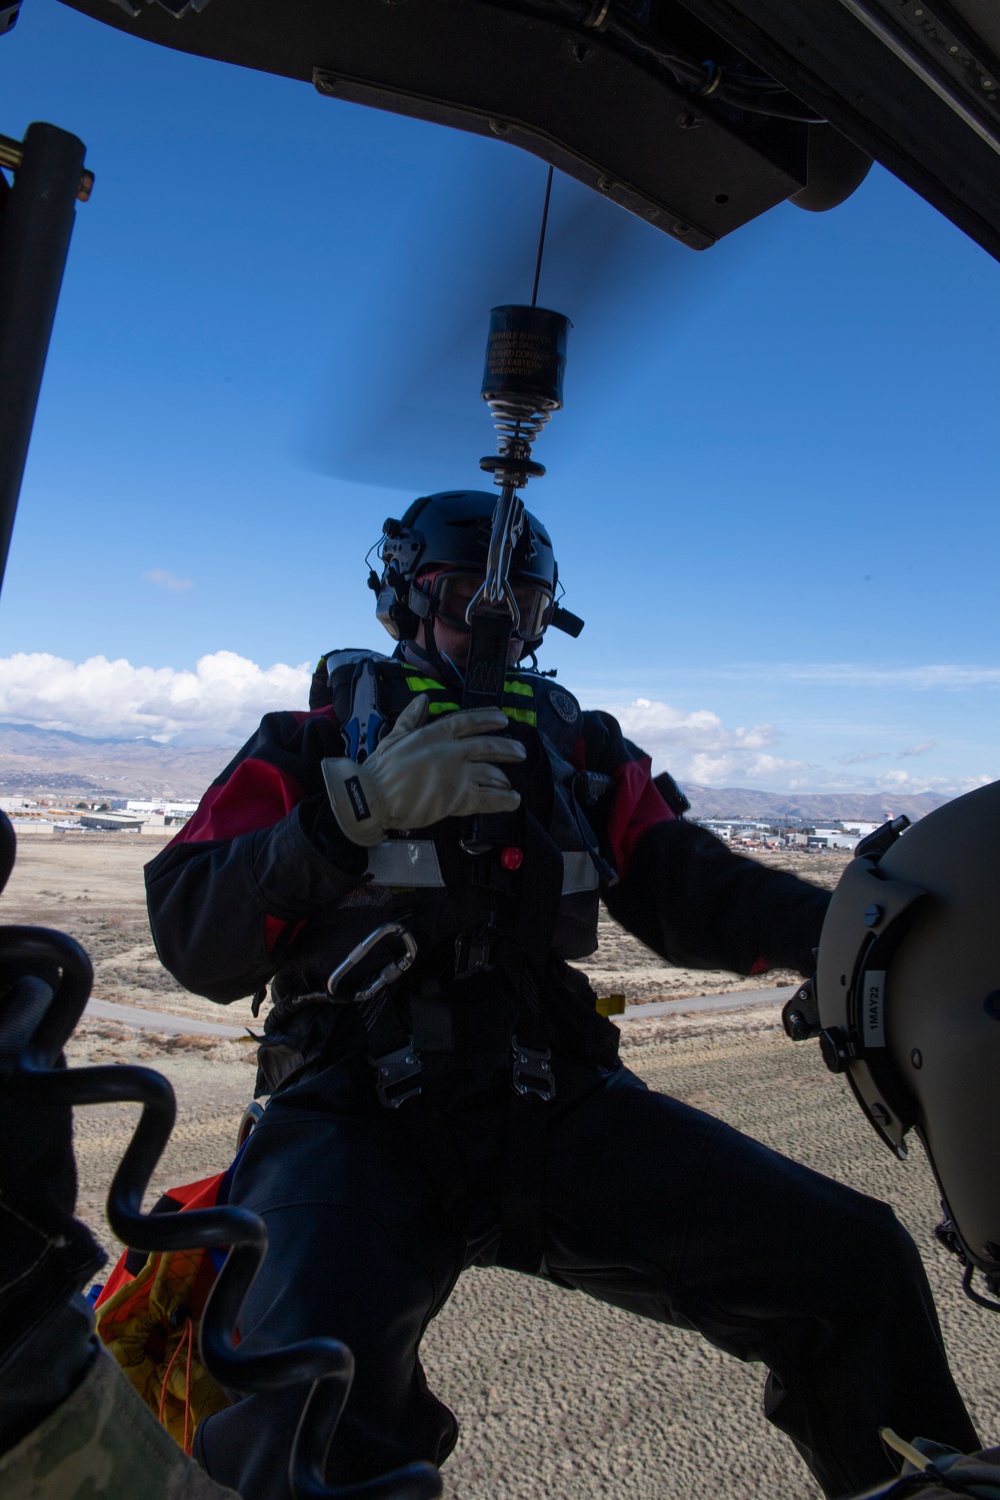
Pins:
x: 45, y: 982
x: 756, y: 95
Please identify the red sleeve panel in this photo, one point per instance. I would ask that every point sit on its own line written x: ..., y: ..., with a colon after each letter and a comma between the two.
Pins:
x: 257, y: 795
x: 636, y: 807
x: 261, y: 855
x: 633, y: 804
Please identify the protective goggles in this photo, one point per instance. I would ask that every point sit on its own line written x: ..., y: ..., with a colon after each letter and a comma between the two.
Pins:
x: 452, y: 593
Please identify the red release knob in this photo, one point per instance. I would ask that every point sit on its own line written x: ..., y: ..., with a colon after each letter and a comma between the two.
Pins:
x: 512, y: 858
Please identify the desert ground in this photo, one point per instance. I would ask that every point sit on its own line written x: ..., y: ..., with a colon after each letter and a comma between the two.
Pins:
x: 556, y: 1394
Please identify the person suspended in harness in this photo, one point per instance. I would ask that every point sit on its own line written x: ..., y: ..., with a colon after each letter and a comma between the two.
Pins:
x: 413, y: 881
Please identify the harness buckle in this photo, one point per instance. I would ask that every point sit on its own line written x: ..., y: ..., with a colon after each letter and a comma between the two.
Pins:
x: 532, y: 1071
x: 472, y: 952
x: 392, y: 971
x: 394, y: 1075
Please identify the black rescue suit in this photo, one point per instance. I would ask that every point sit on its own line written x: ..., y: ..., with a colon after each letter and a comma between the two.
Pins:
x: 408, y: 1138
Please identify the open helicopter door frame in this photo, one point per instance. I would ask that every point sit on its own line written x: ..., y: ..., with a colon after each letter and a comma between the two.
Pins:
x: 915, y: 83
x: 698, y: 115
x: 36, y: 221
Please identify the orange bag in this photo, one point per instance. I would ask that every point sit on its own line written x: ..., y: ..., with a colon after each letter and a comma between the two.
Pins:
x: 150, y: 1323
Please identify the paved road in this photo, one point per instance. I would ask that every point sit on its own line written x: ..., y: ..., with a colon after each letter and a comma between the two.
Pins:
x: 167, y: 1021
x: 737, y: 1000
x: 159, y: 1020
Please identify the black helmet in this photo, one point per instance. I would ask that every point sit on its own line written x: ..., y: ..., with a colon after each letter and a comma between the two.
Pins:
x: 450, y: 532
x: 908, y: 991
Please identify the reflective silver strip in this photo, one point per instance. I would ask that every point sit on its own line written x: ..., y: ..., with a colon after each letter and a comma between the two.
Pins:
x: 412, y: 862
x: 579, y: 873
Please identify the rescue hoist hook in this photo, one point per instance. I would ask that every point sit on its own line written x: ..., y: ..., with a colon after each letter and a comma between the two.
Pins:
x: 522, y: 385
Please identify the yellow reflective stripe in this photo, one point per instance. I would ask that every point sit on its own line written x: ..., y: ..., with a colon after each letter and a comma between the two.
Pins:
x: 521, y: 715
x: 447, y: 706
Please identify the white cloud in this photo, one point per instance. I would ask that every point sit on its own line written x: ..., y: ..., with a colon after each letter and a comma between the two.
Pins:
x: 921, y: 749
x: 222, y: 699
x: 949, y: 786
x: 943, y: 676
x: 169, y: 581
x: 698, y: 747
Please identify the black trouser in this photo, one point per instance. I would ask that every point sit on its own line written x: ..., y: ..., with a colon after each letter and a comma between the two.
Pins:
x: 649, y: 1205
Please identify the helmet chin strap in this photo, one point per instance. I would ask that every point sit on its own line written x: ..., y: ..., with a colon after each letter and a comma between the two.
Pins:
x: 443, y: 666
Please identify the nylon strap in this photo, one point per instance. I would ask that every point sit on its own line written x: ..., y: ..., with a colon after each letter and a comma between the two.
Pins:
x: 521, y: 1245
x: 487, y: 665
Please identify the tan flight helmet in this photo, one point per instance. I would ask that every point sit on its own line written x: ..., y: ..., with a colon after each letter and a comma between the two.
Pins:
x: 908, y: 999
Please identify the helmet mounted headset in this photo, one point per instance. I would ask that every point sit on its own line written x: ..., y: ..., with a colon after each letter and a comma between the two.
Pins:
x: 434, y: 558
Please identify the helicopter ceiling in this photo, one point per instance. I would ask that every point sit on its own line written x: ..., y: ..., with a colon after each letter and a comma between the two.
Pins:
x: 631, y: 109
x: 618, y: 93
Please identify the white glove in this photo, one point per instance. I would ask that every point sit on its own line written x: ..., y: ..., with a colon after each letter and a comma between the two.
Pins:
x: 421, y: 773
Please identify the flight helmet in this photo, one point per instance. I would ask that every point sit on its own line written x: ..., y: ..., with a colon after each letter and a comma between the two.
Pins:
x: 908, y: 998
x: 434, y: 560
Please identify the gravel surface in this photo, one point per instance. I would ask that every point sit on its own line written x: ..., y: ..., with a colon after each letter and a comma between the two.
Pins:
x: 557, y: 1394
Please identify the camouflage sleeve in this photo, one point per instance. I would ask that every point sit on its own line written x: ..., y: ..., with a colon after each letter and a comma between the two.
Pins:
x: 103, y: 1443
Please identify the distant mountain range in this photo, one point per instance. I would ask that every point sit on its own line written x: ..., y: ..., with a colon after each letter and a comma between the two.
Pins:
x: 37, y: 761
x: 34, y: 760
x: 810, y: 807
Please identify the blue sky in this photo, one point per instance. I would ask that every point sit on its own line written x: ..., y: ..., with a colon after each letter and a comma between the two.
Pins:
x: 773, y: 489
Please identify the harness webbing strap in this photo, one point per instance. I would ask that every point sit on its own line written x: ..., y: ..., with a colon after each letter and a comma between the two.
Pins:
x: 522, y: 1233
x: 522, y: 1239
x: 486, y: 670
